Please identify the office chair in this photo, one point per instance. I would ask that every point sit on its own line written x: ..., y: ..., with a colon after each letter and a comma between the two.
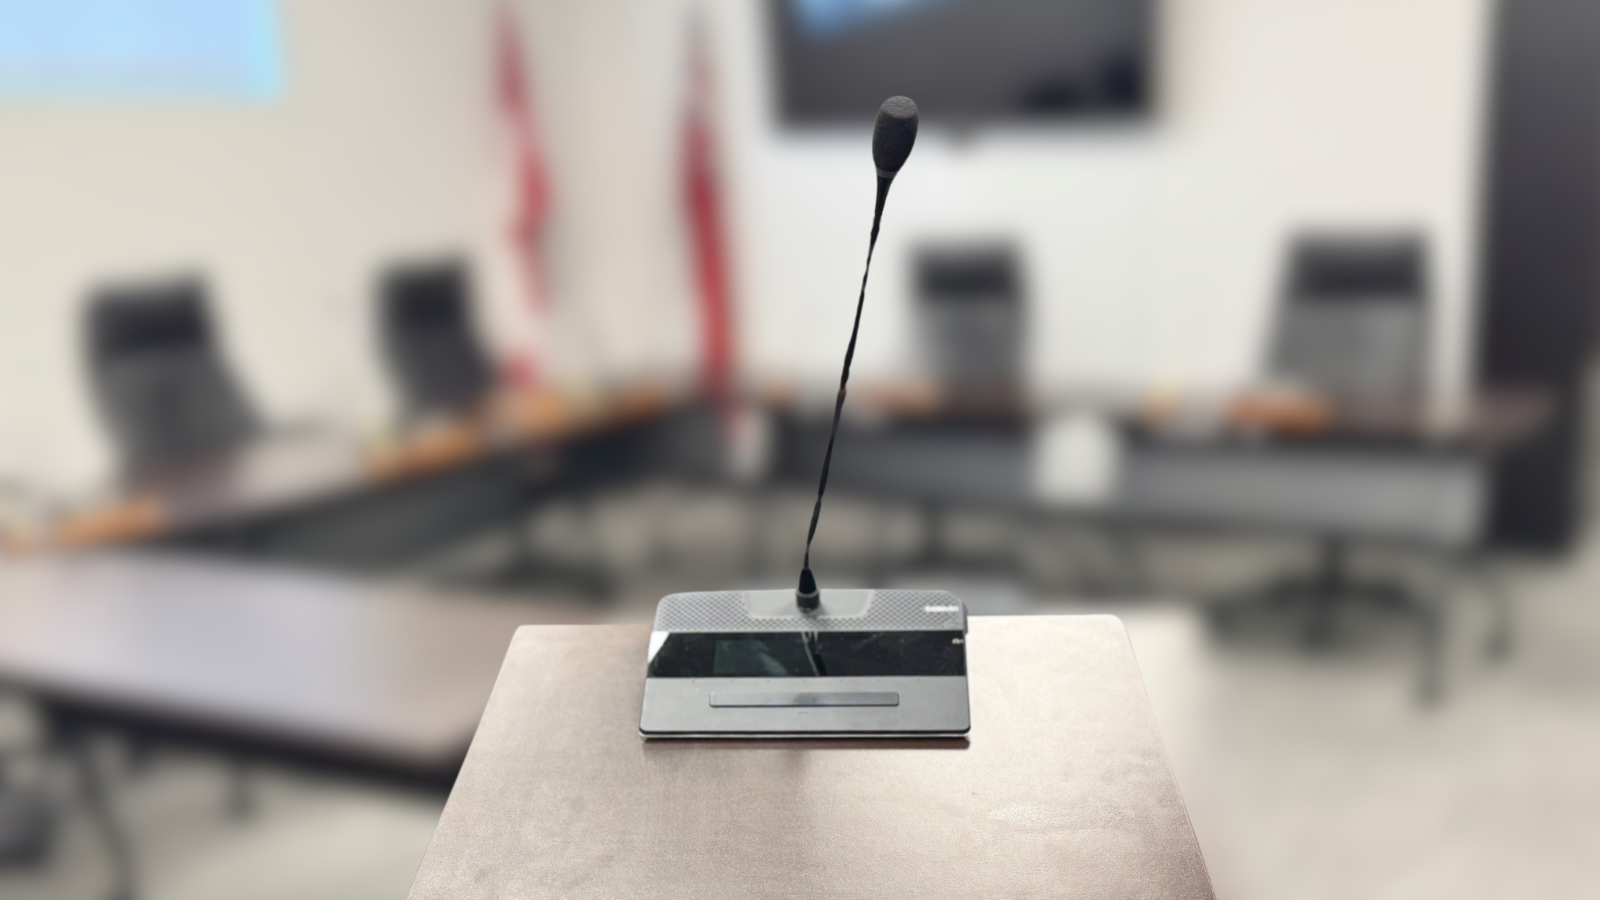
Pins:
x: 440, y: 368
x: 1351, y: 325
x: 425, y: 326
x: 1353, y: 320
x: 161, y: 382
x: 970, y: 312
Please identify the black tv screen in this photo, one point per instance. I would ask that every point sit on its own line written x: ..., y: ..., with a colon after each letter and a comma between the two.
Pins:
x: 964, y: 61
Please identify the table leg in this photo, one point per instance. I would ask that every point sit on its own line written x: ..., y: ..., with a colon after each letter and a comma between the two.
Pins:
x: 241, y: 792
x: 1502, y: 628
x: 97, y: 797
x: 1430, y: 613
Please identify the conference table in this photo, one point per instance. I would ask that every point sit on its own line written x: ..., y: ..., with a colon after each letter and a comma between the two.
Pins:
x: 322, y: 496
x: 1062, y: 788
x: 1393, y: 473
x: 360, y: 677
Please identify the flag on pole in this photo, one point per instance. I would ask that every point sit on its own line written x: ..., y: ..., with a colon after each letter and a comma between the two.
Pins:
x: 703, y: 198
x: 529, y: 178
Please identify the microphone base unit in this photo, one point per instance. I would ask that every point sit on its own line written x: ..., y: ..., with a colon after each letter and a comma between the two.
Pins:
x: 751, y: 665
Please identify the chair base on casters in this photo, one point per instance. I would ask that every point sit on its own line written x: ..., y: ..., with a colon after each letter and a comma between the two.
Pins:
x: 1327, y: 588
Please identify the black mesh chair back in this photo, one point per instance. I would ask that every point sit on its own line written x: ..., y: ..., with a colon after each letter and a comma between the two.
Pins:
x: 970, y: 312
x: 425, y: 324
x: 162, y: 386
x: 1354, y: 316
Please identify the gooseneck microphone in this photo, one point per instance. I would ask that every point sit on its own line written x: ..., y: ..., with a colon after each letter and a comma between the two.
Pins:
x: 893, y: 135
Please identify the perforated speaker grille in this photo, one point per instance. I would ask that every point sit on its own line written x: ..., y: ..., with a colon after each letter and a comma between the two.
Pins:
x: 886, y: 611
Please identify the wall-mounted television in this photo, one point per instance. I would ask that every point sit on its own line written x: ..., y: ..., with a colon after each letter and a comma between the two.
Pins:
x: 964, y: 61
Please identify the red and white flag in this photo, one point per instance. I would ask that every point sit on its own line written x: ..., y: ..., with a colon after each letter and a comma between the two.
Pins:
x: 703, y: 198
x: 745, y: 429
x: 530, y: 183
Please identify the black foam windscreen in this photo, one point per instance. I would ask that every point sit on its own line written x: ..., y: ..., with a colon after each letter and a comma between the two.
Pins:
x: 894, y: 133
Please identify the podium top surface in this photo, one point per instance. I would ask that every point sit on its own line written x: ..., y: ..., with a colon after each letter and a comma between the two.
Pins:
x: 1062, y: 790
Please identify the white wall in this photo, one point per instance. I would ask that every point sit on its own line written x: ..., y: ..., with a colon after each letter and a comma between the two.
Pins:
x: 1153, y: 252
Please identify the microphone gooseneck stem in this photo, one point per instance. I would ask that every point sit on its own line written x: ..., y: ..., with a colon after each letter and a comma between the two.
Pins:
x: 807, y: 596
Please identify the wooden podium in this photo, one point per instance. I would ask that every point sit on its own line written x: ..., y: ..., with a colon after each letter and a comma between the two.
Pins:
x: 1062, y: 790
